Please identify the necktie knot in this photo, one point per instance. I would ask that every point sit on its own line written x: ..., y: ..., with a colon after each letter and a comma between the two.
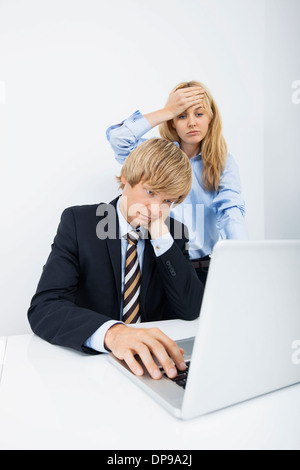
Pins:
x: 133, y: 237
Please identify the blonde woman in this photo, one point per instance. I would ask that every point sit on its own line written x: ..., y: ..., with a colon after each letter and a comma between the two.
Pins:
x: 214, y: 207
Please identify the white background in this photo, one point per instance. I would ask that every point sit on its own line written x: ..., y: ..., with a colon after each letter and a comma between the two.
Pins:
x: 282, y: 119
x: 71, y: 68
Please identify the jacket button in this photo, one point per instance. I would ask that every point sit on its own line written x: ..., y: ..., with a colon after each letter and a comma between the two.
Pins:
x: 171, y: 268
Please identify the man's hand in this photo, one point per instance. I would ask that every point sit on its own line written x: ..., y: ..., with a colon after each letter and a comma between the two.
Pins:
x: 157, y: 226
x: 127, y: 342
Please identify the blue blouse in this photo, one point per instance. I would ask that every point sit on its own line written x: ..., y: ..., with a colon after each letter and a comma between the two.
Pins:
x: 208, y: 215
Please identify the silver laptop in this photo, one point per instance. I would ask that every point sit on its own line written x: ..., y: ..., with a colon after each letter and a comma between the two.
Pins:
x: 247, y: 332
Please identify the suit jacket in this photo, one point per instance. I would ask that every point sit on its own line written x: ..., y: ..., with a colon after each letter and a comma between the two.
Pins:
x: 80, y: 287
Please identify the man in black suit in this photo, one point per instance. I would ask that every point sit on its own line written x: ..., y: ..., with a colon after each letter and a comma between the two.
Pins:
x: 96, y: 281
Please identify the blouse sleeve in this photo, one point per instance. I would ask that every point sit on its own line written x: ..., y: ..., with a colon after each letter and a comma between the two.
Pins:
x: 127, y: 135
x: 229, y: 204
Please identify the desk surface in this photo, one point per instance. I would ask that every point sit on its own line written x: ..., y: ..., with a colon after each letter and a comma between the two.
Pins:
x: 3, y: 340
x: 55, y: 398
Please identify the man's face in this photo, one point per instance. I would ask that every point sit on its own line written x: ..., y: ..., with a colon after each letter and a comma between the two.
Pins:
x: 140, y: 205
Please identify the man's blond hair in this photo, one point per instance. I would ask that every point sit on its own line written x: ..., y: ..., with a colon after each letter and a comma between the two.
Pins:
x: 162, y: 165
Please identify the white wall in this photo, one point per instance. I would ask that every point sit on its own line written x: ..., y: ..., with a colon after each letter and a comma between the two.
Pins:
x: 282, y: 119
x: 69, y: 69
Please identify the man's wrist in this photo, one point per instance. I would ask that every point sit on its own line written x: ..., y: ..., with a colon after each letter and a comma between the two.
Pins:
x: 163, y: 244
x: 111, y: 335
x: 158, y: 230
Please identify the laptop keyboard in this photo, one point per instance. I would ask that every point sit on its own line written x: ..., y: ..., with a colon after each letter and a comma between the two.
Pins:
x: 181, y: 377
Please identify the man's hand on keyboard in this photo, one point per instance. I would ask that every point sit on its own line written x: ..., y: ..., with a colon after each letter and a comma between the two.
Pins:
x: 127, y: 342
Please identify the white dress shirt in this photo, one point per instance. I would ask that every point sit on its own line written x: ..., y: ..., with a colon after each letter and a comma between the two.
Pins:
x: 160, y: 246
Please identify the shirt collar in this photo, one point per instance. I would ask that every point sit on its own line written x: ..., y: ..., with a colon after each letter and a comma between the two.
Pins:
x: 197, y: 157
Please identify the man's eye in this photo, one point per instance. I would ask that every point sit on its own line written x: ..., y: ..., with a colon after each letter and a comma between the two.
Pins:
x: 149, y: 192
x: 169, y: 203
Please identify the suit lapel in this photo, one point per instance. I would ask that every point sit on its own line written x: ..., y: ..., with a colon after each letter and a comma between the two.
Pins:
x: 148, y: 267
x: 114, y: 248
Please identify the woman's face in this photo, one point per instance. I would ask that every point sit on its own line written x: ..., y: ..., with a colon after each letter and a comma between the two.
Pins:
x: 192, y: 125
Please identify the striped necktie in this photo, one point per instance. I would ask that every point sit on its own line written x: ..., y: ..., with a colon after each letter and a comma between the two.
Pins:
x: 132, y: 287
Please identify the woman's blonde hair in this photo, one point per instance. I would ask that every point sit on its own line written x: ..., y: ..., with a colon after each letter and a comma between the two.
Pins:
x: 160, y: 164
x: 213, y: 146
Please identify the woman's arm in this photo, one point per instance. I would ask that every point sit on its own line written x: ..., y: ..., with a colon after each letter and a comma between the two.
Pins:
x: 128, y: 135
x: 229, y: 204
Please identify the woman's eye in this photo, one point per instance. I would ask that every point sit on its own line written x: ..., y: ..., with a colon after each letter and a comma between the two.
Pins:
x: 149, y: 192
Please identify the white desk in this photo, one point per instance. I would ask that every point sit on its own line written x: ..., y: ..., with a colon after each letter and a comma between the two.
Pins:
x: 55, y: 398
x: 3, y: 340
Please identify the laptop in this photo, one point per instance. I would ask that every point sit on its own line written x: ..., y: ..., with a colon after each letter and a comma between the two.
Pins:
x: 246, y: 335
